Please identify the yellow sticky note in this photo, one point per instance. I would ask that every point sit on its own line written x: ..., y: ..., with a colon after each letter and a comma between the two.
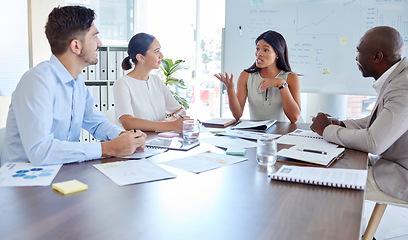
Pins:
x: 326, y: 71
x: 69, y: 187
x: 343, y: 41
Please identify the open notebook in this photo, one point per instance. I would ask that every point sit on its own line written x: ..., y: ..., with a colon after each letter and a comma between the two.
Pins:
x: 312, y: 156
x: 255, y: 125
x: 305, y: 138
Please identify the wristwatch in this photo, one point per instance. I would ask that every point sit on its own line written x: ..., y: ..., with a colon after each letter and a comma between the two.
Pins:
x: 283, y: 86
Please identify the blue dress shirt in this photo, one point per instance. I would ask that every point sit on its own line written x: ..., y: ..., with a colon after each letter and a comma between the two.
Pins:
x: 46, y: 114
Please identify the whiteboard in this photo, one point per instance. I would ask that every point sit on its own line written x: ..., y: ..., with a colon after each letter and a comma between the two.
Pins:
x: 321, y: 35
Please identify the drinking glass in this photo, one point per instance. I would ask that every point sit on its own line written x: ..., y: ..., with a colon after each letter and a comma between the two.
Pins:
x: 266, y: 152
x: 191, y: 130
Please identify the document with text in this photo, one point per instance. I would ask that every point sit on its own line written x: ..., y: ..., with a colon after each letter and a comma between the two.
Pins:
x: 133, y: 171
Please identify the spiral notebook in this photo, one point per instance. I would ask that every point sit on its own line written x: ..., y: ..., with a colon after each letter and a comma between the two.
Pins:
x: 331, y: 177
x: 305, y: 138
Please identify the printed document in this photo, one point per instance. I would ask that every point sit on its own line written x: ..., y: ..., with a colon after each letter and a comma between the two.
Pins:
x: 248, y: 134
x: 203, y: 162
x: 133, y: 171
x: 228, y: 142
x: 21, y: 174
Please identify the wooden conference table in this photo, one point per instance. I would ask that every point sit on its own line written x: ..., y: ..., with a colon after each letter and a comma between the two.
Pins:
x: 233, y: 202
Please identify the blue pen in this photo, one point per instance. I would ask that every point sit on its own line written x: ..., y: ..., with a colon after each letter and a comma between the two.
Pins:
x: 181, y: 116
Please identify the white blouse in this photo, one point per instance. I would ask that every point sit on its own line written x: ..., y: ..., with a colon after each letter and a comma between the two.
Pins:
x: 149, y: 100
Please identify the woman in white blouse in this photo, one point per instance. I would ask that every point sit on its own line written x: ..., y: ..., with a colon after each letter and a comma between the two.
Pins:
x: 142, y: 100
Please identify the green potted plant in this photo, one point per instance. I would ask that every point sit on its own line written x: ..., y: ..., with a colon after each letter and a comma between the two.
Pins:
x: 169, y: 68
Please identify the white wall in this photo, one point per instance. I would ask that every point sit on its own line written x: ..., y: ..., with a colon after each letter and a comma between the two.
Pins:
x: 38, y: 11
x: 13, y: 45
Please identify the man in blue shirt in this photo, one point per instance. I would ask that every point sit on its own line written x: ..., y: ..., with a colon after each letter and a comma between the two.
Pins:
x: 51, y: 102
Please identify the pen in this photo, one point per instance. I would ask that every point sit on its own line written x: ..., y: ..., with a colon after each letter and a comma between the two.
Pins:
x: 181, y: 116
x: 312, y: 151
x: 266, y: 95
x: 134, y: 130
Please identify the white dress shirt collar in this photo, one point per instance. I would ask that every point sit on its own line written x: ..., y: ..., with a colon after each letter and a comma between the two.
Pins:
x: 377, y: 85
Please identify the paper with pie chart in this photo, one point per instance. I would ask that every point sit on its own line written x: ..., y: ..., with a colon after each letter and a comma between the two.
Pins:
x: 20, y: 174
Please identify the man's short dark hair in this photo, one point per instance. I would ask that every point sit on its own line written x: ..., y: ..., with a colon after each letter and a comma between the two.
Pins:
x: 66, y: 24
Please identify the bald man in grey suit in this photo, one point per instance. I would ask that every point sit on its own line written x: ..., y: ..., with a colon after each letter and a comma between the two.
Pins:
x: 384, y: 132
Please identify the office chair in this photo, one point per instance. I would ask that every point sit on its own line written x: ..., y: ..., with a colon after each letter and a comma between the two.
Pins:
x: 110, y: 115
x: 375, y: 218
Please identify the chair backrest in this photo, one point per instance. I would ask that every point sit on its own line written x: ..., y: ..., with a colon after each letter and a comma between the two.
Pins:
x: 110, y: 115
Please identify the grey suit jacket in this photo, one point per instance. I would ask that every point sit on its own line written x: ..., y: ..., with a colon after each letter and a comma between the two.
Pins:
x: 384, y: 132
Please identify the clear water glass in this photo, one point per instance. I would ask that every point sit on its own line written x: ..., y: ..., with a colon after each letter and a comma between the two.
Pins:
x: 191, y: 130
x: 266, y: 152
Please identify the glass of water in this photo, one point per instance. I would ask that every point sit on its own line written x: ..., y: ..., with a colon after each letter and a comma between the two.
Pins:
x: 266, y: 152
x: 191, y: 130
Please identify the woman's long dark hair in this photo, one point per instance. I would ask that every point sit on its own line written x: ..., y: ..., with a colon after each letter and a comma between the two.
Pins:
x: 278, y: 44
x: 139, y: 43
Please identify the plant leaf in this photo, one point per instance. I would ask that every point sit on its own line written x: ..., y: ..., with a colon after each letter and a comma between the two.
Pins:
x: 181, y: 100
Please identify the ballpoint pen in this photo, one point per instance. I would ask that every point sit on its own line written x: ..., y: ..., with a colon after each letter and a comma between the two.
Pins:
x: 178, y: 114
x: 266, y: 95
x: 311, y: 151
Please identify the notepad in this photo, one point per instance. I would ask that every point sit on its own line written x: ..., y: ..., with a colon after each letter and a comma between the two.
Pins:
x: 331, y: 177
x: 69, y: 187
x: 219, y: 122
x: 235, y: 151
